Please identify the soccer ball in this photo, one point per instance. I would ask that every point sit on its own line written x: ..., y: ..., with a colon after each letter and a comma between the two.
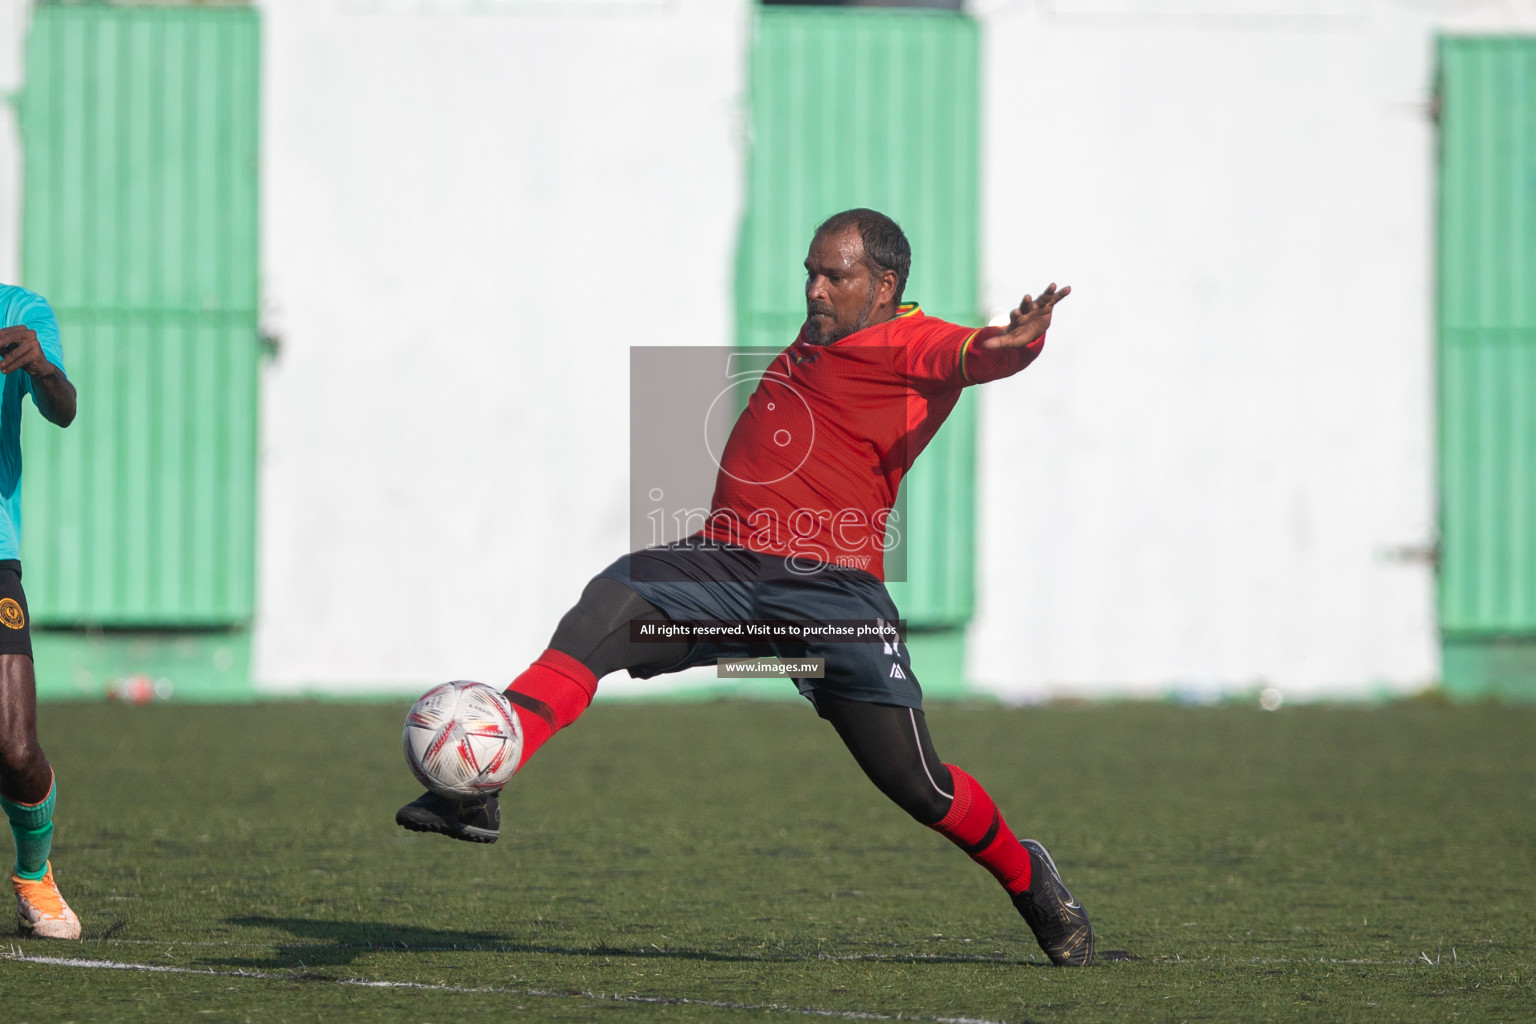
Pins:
x: 462, y: 739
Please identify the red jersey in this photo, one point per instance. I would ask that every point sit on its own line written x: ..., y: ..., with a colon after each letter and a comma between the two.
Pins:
x: 814, y: 461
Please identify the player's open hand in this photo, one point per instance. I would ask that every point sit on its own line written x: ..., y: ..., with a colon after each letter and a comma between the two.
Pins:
x: 20, y: 350
x: 1029, y: 322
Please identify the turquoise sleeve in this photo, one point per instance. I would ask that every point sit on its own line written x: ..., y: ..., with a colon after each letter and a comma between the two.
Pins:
x: 39, y: 316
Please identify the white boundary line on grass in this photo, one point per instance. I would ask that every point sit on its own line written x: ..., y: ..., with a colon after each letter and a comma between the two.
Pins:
x: 804, y: 1011
x: 893, y: 958
x: 998, y: 957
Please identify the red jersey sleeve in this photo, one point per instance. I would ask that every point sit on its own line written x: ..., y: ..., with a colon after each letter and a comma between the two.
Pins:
x: 980, y: 365
x: 943, y: 355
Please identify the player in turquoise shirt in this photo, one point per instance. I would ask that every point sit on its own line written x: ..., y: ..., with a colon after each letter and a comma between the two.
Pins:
x: 32, y: 364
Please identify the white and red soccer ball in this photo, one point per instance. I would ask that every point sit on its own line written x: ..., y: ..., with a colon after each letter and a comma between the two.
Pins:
x: 462, y: 739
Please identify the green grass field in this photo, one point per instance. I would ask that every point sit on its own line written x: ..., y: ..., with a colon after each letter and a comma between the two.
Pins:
x: 726, y: 862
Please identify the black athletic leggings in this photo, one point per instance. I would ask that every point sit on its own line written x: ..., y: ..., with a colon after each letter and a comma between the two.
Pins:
x: 891, y: 744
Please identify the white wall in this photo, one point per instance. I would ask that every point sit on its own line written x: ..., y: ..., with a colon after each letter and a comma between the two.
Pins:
x: 469, y: 219
x: 1197, y: 487
x: 13, y: 21
x: 472, y: 208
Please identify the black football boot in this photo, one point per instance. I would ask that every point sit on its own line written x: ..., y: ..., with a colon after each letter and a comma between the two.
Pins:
x: 1059, y: 922
x: 476, y: 820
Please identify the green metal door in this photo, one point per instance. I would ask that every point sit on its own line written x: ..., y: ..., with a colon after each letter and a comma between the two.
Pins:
x: 139, y: 127
x: 1487, y: 363
x: 876, y: 109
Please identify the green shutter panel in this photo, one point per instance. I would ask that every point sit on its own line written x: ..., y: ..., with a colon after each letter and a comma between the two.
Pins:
x: 1487, y: 336
x: 876, y: 109
x: 139, y: 127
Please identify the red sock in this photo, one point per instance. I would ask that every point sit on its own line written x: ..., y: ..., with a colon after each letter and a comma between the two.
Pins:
x: 976, y: 826
x: 552, y: 693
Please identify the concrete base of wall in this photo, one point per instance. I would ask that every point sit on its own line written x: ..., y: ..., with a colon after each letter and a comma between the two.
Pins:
x: 215, y: 665
x: 937, y: 655
x: 1493, y: 667
x: 141, y: 665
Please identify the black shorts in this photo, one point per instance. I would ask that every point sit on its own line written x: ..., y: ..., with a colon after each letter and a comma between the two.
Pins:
x: 15, y: 624
x: 695, y: 579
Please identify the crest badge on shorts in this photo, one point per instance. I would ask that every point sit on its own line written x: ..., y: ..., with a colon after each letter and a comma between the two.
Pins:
x: 11, y: 615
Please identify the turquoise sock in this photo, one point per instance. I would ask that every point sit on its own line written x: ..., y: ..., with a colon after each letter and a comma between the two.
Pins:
x: 32, y: 825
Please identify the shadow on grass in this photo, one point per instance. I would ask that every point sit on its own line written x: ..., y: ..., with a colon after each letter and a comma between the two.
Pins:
x: 339, y: 943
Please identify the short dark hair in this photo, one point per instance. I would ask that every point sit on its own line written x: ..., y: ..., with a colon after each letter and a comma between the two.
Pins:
x: 885, y: 246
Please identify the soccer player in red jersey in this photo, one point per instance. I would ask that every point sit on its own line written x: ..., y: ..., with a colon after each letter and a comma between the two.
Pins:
x: 797, y: 532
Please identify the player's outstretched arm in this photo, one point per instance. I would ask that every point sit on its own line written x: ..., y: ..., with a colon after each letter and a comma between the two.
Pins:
x: 1029, y: 322
x: 51, y: 390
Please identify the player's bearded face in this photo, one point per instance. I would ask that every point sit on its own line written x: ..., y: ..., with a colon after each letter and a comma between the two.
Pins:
x: 839, y: 289
x: 823, y: 326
